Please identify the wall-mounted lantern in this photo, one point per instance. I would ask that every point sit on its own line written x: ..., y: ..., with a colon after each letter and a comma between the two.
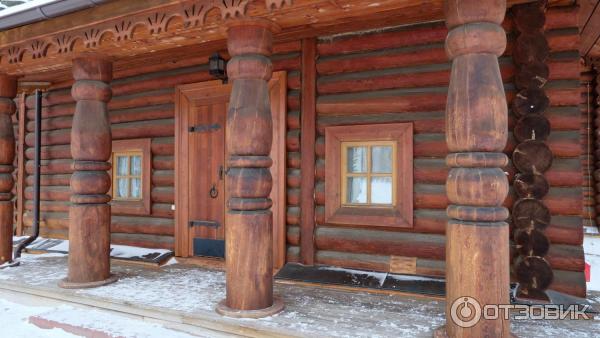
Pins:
x: 217, y: 67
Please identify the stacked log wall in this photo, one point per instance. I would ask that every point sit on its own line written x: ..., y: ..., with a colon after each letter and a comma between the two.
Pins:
x: 401, y: 75
x: 142, y: 107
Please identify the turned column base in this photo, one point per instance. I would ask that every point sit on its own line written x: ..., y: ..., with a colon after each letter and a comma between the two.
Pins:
x: 441, y: 332
x: 226, y: 311
x: 65, y: 284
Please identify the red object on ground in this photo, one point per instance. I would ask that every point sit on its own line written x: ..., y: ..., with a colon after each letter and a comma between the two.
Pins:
x: 588, y: 274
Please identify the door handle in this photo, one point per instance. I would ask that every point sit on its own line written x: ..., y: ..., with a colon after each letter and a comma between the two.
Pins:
x: 214, y: 193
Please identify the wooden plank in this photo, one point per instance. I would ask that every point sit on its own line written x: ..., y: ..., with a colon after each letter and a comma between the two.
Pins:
x: 307, y: 147
x: 21, y: 165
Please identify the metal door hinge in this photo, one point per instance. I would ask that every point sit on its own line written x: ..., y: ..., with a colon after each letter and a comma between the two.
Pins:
x: 205, y: 224
x: 202, y: 128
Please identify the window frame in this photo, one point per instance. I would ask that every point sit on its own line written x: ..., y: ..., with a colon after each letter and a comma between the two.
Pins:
x: 141, y: 206
x: 399, y: 214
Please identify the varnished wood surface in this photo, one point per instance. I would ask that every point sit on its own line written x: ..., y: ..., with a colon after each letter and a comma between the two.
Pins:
x: 249, y: 136
x: 91, y: 148
x: 477, y: 248
x: 307, y: 137
x: 45, y: 46
x: 8, y: 91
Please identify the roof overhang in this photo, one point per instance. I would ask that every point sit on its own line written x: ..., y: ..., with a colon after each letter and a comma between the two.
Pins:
x: 589, y: 17
x: 134, y: 30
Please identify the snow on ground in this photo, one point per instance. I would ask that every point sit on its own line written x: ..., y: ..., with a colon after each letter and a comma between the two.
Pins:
x: 192, y: 292
x: 591, y: 247
x: 19, y: 317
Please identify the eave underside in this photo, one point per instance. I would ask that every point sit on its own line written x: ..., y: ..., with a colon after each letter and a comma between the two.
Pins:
x: 141, y: 34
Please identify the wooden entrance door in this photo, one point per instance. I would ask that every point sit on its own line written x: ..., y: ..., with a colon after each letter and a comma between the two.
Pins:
x: 201, y: 112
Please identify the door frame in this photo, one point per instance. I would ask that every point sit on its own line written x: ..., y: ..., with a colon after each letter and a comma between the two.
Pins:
x: 207, y: 91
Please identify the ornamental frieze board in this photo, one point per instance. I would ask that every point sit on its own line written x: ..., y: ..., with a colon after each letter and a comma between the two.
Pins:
x: 155, y: 22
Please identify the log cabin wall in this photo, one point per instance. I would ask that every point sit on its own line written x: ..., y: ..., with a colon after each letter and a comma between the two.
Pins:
x: 142, y: 107
x: 401, y: 75
x: 381, y: 76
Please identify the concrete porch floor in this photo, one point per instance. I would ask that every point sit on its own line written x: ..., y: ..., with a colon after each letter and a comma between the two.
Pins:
x: 187, y: 295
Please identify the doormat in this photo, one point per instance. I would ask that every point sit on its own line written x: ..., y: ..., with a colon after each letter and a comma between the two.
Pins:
x: 119, y: 252
x: 418, y: 285
x: 428, y: 286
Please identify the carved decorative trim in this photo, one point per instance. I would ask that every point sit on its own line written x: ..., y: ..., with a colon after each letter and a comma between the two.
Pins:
x: 155, y: 22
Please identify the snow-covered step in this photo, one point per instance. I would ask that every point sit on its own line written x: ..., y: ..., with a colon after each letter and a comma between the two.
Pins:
x: 121, y: 252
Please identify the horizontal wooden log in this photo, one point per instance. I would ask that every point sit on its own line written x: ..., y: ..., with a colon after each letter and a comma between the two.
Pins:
x: 561, y: 118
x: 163, y: 178
x: 50, y: 180
x: 142, y: 225
x: 563, y: 40
x: 163, y: 162
x: 116, y: 116
x: 293, y: 140
x: 293, y: 235
x: 413, y: 100
x: 163, y: 146
x: 144, y: 241
x: 293, y: 160
x: 163, y: 195
x: 50, y: 167
x: 413, y: 56
x: 286, y: 62
x: 561, y: 17
x: 292, y: 216
x: 163, y: 210
x: 380, y: 242
x: 427, y: 34
x: 293, y: 120
x: 293, y: 178
x: 293, y: 100
x: 50, y: 193
x: 560, y: 201
x: 122, y: 131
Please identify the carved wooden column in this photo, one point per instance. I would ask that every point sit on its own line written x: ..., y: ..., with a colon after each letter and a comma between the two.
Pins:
x: 8, y: 91
x: 91, y: 146
x: 477, y: 247
x: 249, y: 244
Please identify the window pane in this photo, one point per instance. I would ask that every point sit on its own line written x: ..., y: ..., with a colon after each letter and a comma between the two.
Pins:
x: 122, y: 188
x: 136, y: 165
x: 381, y: 157
x: 136, y: 188
x: 122, y: 169
x: 381, y: 190
x: 357, y: 159
x: 357, y: 190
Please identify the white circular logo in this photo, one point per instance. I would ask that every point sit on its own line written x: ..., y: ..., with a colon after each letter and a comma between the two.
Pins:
x: 465, y: 312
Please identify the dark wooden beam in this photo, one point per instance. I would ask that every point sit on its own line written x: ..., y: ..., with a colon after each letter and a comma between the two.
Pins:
x: 307, y: 148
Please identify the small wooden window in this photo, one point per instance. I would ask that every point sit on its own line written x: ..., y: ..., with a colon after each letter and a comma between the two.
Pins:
x: 369, y: 175
x: 131, y: 175
x: 127, y: 176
